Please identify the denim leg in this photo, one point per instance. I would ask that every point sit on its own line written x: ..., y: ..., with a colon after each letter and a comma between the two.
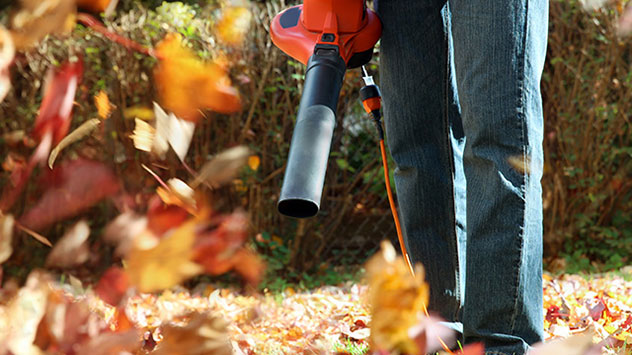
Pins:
x: 499, y: 50
x: 419, y: 106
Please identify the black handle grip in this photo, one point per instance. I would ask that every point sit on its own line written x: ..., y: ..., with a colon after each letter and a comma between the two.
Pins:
x: 311, y: 141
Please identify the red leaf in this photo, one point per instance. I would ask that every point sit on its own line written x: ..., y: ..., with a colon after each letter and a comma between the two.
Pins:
x: 59, y: 95
x: 112, y: 286
x: 162, y: 217
x: 75, y: 186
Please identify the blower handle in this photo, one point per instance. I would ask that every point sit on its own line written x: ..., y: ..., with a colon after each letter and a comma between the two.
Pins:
x: 311, y: 141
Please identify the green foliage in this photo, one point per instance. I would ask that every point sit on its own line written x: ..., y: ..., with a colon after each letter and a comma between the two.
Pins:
x: 351, y: 347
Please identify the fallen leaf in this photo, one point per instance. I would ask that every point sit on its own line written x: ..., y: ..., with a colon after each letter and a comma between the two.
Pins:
x: 78, y: 134
x: 580, y: 344
x: 126, y: 342
x: 73, y: 187
x: 72, y: 249
x: 166, y: 264
x: 203, y: 334
x: 7, y: 52
x: 6, y: 236
x: 396, y: 299
x: 59, y: 94
x: 186, y: 84
x: 112, y: 286
x: 28, y: 306
x: 222, y: 168
x: 38, y: 18
x: 233, y: 25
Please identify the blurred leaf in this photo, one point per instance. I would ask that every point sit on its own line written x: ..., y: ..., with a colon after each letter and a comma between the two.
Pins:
x: 186, y: 84
x: 104, y: 107
x: 171, y: 131
x: 72, y: 249
x: 97, y: 6
x: 82, y: 131
x: 580, y: 344
x: 162, y: 217
x: 222, y: 168
x: 7, y: 52
x: 72, y: 187
x: 112, y: 285
x: 123, y: 230
x: 6, y: 235
x: 179, y: 194
x: 625, y: 22
x: 203, y: 334
x: 139, y: 112
x: 143, y: 136
x: 40, y: 238
x: 166, y: 264
x: 396, y: 299
x: 60, y: 87
x: 233, y: 25
x: 253, y: 162
x: 38, y: 18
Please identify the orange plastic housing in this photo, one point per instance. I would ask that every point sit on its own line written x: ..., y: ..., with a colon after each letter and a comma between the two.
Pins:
x: 347, y: 24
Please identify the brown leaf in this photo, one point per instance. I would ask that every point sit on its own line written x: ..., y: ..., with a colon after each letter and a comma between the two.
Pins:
x: 38, y: 18
x: 203, y: 334
x: 186, y: 84
x: 112, y: 286
x: 74, y: 187
x: 580, y: 344
x: 222, y: 168
x: 78, y: 134
x: 72, y: 249
x: 6, y: 235
x: 126, y: 342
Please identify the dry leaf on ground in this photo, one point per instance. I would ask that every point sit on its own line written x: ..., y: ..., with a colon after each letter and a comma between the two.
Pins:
x: 203, y: 334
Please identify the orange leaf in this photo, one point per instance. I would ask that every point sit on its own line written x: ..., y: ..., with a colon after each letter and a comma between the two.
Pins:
x: 104, y: 107
x: 233, y: 25
x: 186, y: 84
x: 254, y: 162
x: 96, y: 5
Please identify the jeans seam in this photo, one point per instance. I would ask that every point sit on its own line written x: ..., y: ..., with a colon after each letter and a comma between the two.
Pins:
x: 522, y: 121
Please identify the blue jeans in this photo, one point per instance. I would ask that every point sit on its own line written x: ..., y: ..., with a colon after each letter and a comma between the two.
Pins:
x: 461, y: 88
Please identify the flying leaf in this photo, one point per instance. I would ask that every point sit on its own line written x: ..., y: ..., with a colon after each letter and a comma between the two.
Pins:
x: 396, y: 299
x: 140, y: 112
x: 143, y: 135
x: 203, y: 334
x: 97, y: 6
x: 253, y: 162
x: 104, y: 107
x: 72, y: 249
x: 73, y: 187
x: 7, y: 52
x: 162, y: 217
x: 82, y: 131
x: 171, y: 131
x: 40, y: 238
x: 186, y: 84
x: 6, y: 234
x: 179, y: 194
x: 222, y: 168
x: 233, y: 25
x: 123, y: 230
x: 625, y: 22
x: 112, y: 286
x: 37, y: 18
x: 165, y: 265
x: 59, y: 94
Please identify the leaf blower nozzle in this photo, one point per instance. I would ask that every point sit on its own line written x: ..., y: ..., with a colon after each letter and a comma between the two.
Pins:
x: 328, y: 36
x: 309, y: 151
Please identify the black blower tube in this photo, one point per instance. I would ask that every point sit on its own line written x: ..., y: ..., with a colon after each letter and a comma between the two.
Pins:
x: 311, y: 141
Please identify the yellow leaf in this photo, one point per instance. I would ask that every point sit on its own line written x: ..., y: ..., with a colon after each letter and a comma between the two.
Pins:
x: 233, y: 25
x: 166, y: 264
x: 253, y: 162
x: 140, y: 112
x: 186, y: 84
x: 6, y: 234
x: 104, y: 107
x: 397, y: 299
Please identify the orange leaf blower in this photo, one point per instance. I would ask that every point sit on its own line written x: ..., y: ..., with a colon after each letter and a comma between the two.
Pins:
x: 329, y: 36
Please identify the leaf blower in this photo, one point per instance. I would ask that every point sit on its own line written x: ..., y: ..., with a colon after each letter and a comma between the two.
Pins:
x: 329, y: 36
